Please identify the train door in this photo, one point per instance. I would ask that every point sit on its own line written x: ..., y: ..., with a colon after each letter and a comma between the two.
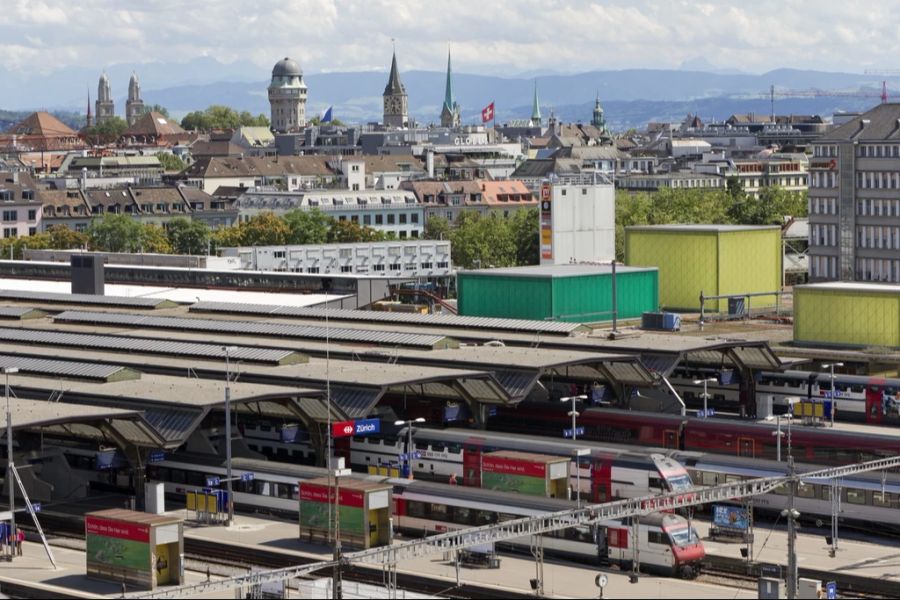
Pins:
x: 670, y: 439
x: 875, y: 402
x: 342, y: 448
x: 746, y: 447
x: 601, y: 477
x: 472, y: 465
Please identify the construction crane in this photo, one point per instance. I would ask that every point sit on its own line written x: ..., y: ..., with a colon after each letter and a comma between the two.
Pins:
x: 817, y: 93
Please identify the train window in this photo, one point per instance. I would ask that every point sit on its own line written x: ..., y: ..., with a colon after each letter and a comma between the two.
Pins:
x: 177, y: 476
x: 454, y: 448
x: 657, y: 537
x: 283, y: 491
x: 733, y: 479
x: 439, y: 511
x: 265, y: 428
x: 421, y: 446
x: 462, y: 515
x: 879, y: 499
x: 579, y: 534
x: 415, y: 509
x: 485, y: 517
x: 824, y: 492
x: 507, y: 517
x: 856, y: 496
x: 781, y: 490
x: 655, y: 483
x: 707, y: 478
x: 805, y: 490
x: 438, y: 447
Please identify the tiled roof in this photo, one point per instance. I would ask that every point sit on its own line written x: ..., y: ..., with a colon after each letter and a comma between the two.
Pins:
x: 154, y: 124
x: 42, y: 124
x: 883, y: 124
x: 236, y: 166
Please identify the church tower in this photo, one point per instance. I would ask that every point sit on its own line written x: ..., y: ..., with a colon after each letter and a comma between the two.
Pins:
x: 598, y: 120
x: 396, y: 103
x: 104, y: 107
x: 287, y: 97
x: 450, y: 113
x: 134, y: 107
x: 535, y: 109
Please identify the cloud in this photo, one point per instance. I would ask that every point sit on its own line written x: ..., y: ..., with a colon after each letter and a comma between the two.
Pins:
x: 502, y: 36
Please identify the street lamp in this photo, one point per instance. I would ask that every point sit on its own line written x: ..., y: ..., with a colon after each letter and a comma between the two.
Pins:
x: 573, y: 413
x: 833, y: 391
x: 778, y: 433
x: 705, y: 382
x: 336, y: 579
x: 228, y: 350
x: 10, y: 468
x: 409, y: 445
x: 578, y: 454
x: 790, y: 512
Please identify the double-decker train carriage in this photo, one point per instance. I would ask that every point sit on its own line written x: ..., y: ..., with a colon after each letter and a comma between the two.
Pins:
x: 820, y: 445
x: 607, y: 471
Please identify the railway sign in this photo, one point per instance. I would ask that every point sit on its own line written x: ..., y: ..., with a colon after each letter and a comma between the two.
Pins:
x: 156, y: 456
x: 246, y: 476
x: 357, y: 427
x: 568, y: 432
x: 212, y: 481
x: 705, y: 414
x: 36, y: 507
x: 343, y: 429
x: 831, y: 590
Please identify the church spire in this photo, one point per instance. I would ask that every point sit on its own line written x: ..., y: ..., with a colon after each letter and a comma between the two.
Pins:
x: 536, y: 108
x: 394, y: 86
x: 448, y: 92
x: 89, y: 109
x: 450, y: 113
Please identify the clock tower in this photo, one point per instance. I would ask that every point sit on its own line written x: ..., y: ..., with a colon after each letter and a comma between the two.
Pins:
x: 396, y: 109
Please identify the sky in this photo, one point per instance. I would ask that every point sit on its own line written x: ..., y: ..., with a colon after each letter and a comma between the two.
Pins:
x: 497, y: 37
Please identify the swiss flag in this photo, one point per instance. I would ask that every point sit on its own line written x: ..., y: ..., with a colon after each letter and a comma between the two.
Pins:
x: 487, y: 113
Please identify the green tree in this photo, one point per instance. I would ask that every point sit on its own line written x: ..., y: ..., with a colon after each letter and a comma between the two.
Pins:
x: 115, y: 233
x: 265, y: 229
x: 107, y: 131
x: 187, y: 236
x: 482, y: 241
x: 526, y: 236
x: 348, y: 232
x: 170, y: 162
x: 317, y: 120
x: 227, y: 237
x: 153, y: 239
x: 436, y: 228
x: 218, y: 116
x: 60, y: 237
x: 307, y: 226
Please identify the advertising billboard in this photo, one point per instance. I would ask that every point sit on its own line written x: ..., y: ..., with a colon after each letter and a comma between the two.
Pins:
x: 117, y: 544
x: 730, y: 517
x: 314, y: 511
x: 511, y: 475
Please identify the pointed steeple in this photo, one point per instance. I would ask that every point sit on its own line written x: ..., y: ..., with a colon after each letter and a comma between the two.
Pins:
x: 448, y: 92
x: 394, y: 87
x: 89, y: 108
x: 536, y: 108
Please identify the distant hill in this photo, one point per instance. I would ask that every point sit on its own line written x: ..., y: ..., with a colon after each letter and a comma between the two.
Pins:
x: 630, y: 97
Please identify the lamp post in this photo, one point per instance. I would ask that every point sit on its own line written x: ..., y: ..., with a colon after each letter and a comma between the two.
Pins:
x: 778, y: 433
x: 228, y: 350
x: 573, y: 413
x: 336, y: 579
x: 409, y: 444
x: 578, y: 454
x: 705, y: 382
x: 833, y: 391
x: 10, y: 468
x: 791, y: 513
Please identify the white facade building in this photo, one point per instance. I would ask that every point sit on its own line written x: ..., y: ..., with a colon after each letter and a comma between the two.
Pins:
x: 422, y: 258
x: 577, y: 221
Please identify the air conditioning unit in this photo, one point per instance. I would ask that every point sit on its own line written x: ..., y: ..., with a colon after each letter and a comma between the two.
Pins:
x: 661, y: 321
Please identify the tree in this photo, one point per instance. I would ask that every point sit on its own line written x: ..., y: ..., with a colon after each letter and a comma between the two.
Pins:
x: 115, y: 233
x: 227, y: 237
x: 317, y: 120
x: 265, y: 229
x: 170, y: 162
x: 482, y: 241
x: 107, y: 131
x: 221, y: 117
x: 526, y: 236
x: 347, y: 232
x: 153, y: 239
x: 436, y: 228
x: 186, y: 236
x: 158, y: 109
x: 60, y: 237
x: 308, y: 226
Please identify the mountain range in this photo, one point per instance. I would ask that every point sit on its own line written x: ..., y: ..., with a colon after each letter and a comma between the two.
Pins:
x: 630, y: 97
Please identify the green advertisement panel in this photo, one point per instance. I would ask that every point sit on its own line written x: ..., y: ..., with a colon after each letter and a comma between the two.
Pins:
x: 507, y: 482
x: 118, y: 552
x: 314, y: 515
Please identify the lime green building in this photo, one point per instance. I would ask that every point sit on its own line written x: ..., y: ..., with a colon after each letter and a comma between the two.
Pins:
x: 847, y: 314
x: 717, y: 260
x: 577, y: 293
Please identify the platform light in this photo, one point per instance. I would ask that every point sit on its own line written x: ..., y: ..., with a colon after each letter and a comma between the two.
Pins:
x: 10, y: 469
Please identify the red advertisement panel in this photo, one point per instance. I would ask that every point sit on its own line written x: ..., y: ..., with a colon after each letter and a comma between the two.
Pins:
x: 343, y: 429
x: 117, y: 529
x: 319, y: 493
x: 511, y: 466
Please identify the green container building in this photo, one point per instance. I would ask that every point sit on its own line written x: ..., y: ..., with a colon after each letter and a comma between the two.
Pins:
x: 575, y: 293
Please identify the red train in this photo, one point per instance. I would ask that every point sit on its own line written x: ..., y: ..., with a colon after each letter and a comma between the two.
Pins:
x: 720, y: 436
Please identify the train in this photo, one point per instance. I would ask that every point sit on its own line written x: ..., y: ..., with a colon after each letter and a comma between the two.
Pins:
x: 666, y: 543
x: 607, y: 472
x: 821, y: 445
x: 858, y: 397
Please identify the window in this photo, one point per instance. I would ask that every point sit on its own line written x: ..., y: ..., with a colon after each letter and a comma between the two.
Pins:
x: 856, y: 496
x: 32, y: 230
x: 391, y: 219
x: 379, y: 219
x: 10, y: 215
x: 403, y: 218
x: 367, y: 219
x: 10, y: 232
x: 657, y: 537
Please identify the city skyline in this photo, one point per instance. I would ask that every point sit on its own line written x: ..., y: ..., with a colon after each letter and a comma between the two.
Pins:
x: 513, y: 38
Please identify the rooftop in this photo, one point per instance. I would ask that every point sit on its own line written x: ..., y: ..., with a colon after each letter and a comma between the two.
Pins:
x: 701, y: 228
x: 852, y: 286
x: 575, y: 270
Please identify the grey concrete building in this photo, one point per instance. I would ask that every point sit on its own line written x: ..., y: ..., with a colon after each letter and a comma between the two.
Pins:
x: 854, y: 200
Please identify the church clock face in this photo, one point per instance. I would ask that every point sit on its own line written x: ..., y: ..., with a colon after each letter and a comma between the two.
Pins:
x: 392, y: 105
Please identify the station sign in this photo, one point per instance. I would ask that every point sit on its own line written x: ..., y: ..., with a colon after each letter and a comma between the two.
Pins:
x: 156, y: 456
x: 359, y: 427
x: 568, y: 432
x: 212, y: 481
x: 831, y: 590
x: 705, y: 414
x: 246, y: 476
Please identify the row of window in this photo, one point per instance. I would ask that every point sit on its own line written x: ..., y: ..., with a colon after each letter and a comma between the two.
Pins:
x: 878, y: 180
x: 869, y: 236
x: 823, y: 235
x: 878, y: 208
x: 381, y: 267
x: 823, y: 179
x: 13, y: 215
x: 878, y: 151
x: 379, y: 219
x: 823, y: 206
x: 823, y: 267
x: 830, y: 151
x: 877, y: 269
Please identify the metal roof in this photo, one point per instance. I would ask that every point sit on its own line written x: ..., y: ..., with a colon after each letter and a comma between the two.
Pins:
x: 20, y: 312
x: 68, y: 369
x: 54, y: 298
x: 374, y: 316
x: 335, y: 334
x: 555, y: 271
x: 149, y: 346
